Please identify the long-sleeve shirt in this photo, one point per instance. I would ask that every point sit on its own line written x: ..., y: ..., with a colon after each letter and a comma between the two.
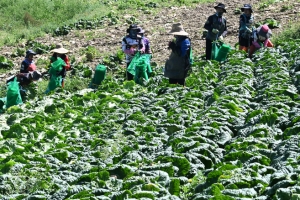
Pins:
x: 215, y: 22
x: 130, y: 46
x: 184, y: 46
x: 147, y: 45
x: 256, y: 40
x: 27, y: 65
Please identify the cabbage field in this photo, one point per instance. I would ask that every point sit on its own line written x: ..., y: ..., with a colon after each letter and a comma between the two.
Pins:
x: 231, y: 133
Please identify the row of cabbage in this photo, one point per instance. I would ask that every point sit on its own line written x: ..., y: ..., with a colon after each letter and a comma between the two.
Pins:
x: 122, y: 141
x: 261, y: 160
x: 232, y: 130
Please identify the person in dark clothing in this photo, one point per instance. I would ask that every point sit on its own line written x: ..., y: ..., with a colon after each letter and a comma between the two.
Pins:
x: 131, y: 44
x: 246, y: 27
x: 28, y: 71
x: 28, y: 64
x: 179, y: 61
x: 216, y: 27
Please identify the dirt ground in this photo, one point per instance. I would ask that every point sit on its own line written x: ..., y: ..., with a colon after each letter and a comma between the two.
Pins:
x: 157, y: 26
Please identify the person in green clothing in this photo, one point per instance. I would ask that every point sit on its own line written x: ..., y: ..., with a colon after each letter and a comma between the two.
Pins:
x: 57, y: 72
x: 60, y: 52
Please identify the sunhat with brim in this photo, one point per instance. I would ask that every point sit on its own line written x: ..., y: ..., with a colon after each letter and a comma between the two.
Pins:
x: 220, y: 5
x: 59, y: 49
x: 247, y: 6
x: 177, y: 29
x: 264, y: 31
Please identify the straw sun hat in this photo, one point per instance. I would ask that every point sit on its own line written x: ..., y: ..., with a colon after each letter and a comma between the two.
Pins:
x: 59, y: 49
x: 177, y: 29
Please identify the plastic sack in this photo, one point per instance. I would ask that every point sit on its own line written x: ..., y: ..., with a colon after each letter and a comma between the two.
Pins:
x: 140, y: 67
x: 57, y: 66
x: 13, y: 96
x: 54, y: 82
x: 99, y: 76
x: 220, y: 51
x: 223, y: 52
x: 214, y: 50
x: 55, y: 79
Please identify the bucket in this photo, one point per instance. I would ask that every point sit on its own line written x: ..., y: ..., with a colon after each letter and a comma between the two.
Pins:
x: 99, y: 75
x: 223, y: 52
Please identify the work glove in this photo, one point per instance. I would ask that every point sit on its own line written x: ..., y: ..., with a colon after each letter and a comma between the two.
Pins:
x: 221, y: 38
x: 248, y: 30
x: 215, y: 31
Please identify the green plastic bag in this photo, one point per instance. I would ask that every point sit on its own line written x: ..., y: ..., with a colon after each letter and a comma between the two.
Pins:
x: 13, y: 96
x: 140, y: 67
x: 55, y: 80
x: 57, y: 66
x: 214, y: 50
x: 223, y: 52
x: 99, y: 76
x: 219, y: 51
x: 191, y: 56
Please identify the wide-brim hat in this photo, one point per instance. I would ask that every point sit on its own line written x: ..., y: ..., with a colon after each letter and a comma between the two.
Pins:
x: 220, y: 5
x: 59, y: 49
x: 177, y: 29
x: 264, y: 31
x: 247, y: 6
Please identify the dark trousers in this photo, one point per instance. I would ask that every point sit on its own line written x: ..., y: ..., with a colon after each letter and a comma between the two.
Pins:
x: 244, y: 41
x: 129, y: 76
x: 177, y: 81
x: 208, y: 49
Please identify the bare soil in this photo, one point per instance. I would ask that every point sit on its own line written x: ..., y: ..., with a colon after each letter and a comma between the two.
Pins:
x: 157, y: 26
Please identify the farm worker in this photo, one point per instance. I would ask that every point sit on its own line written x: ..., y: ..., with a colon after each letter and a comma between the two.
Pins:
x: 178, y: 64
x: 60, y: 52
x: 131, y: 44
x: 146, y: 41
x: 28, y: 64
x: 216, y: 27
x: 246, y: 27
x: 28, y: 72
x: 261, y: 38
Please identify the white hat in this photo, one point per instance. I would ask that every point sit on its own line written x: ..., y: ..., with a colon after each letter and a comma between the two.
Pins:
x: 177, y: 29
x: 59, y: 49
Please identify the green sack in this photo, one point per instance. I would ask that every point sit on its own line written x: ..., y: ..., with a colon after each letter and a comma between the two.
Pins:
x: 214, y: 50
x: 223, y: 52
x: 191, y: 56
x: 99, y: 75
x: 55, y: 80
x: 13, y: 96
x: 140, y: 67
x: 219, y: 51
x: 57, y: 66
